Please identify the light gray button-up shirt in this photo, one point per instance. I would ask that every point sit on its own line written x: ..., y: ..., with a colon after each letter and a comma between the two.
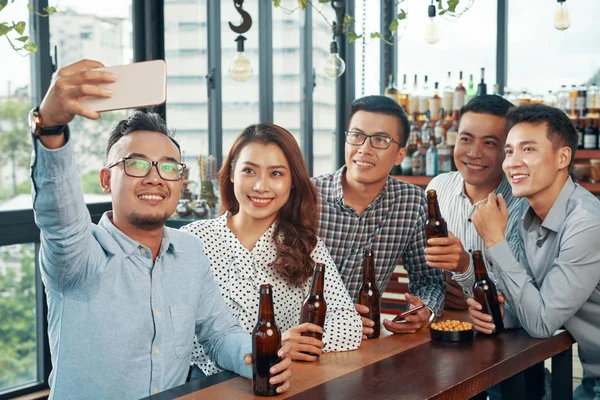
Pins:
x: 557, y: 282
x: 120, y: 325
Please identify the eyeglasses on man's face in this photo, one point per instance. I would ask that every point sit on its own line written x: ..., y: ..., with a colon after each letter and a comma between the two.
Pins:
x: 378, y: 141
x: 140, y: 168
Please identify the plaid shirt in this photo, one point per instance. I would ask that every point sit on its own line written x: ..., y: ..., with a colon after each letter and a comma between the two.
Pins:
x: 392, y: 226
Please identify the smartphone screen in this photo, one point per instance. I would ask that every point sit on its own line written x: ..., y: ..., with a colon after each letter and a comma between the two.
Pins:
x: 401, y: 317
x: 139, y: 85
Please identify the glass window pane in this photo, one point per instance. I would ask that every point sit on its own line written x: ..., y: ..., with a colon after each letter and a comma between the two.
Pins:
x: 240, y: 99
x: 324, y: 94
x: 466, y: 44
x: 186, y: 42
x: 367, y: 56
x: 569, y: 57
x: 81, y: 30
x: 18, y: 341
x: 286, y: 70
x: 15, y: 103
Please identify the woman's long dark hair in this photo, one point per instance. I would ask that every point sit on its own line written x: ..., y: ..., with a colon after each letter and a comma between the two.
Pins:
x: 297, y: 220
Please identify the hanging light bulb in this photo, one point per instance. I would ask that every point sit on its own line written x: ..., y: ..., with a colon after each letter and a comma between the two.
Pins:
x: 334, y: 65
x: 561, y: 16
x: 240, y: 68
x: 431, y: 31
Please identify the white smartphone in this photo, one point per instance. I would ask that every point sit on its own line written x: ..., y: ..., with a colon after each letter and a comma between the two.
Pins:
x: 139, y: 85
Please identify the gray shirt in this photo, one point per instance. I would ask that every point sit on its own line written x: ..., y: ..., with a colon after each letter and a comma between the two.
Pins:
x: 557, y: 282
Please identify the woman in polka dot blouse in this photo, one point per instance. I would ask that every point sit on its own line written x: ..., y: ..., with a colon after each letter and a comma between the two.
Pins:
x: 268, y: 234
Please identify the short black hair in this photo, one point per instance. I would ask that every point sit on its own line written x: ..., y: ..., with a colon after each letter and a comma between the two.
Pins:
x: 139, y: 121
x: 559, y: 128
x: 487, y: 104
x: 382, y: 105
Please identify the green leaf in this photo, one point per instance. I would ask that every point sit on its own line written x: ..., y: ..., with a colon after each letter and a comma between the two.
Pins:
x: 276, y: 3
x: 3, y: 4
x: 50, y: 10
x: 376, y: 35
x: 394, y: 25
x: 4, y: 28
x: 30, y: 47
x: 30, y: 8
x: 442, y: 12
x: 452, y: 5
x: 302, y: 3
x: 20, y: 27
x: 352, y: 37
x: 401, y: 15
x: 324, y: 1
x: 23, y: 39
x: 348, y: 19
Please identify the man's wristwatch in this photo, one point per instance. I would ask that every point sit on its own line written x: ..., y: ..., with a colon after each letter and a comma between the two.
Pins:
x: 37, y: 128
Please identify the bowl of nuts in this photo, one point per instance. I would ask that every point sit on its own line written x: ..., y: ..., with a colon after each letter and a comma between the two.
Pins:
x: 451, y: 330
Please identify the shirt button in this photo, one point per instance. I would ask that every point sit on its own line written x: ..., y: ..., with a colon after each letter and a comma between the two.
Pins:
x: 142, y: 250
x: 157, y: 313
x: 155, y: 390
x: 153, y: 276
x: 156, y: 351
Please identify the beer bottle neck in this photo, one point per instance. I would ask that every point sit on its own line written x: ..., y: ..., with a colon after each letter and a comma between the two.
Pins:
x: 369, y: 270
x: 480, y: 270
x: 266, y: 312
x: 318, y: 281
x: 433, y: 209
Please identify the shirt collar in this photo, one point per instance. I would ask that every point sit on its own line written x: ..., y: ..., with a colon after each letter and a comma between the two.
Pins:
x: 127, y: 244
x: 337, y: 194
x: 558, y: 211
x: 503, y: 188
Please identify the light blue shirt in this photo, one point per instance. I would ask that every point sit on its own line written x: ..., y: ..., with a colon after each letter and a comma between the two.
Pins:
x: 120, y: 325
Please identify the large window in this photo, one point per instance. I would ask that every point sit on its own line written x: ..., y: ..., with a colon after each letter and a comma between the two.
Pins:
x: 187, y: 59
x: 466, y: 44
x: 324, y: 94
x: 569, y: 57
x: 286, y: 70
x: 240, y: 99
x: 15, y: 103
x: 84, y: 30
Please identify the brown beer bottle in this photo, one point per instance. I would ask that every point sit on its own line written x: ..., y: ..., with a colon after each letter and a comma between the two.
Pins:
x: 266, y: 341
x: 368, y: 294
x: 314, y: 307
x: 485, y: 292
x: 436, y: 226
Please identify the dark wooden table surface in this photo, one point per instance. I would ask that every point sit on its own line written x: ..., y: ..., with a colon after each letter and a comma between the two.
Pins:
x: 408, y: 367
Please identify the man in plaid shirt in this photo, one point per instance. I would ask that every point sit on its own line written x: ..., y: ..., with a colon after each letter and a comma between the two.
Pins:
x: 362, y: 207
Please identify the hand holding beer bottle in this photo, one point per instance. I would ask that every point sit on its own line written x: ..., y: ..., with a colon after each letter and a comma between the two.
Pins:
x: 369, y: 295
x: 270, y: 361
x: 486, y: 300
x: 314, y: 308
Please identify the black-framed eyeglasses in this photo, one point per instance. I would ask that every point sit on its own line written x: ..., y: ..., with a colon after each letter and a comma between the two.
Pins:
x: 377, y: 141
x: 140, y: 168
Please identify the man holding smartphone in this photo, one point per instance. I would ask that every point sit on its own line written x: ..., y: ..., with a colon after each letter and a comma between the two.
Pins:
x: 126, y: 296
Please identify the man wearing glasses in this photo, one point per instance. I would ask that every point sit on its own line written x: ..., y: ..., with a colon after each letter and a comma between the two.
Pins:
x: 126, y: 296
x: 362, y: 207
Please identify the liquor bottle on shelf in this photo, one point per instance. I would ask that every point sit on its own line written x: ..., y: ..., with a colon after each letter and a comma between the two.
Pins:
x: 581, y: 100
x: 563, y: 99
x: 597, y: 129
x: 459, y: 94
x: 424, y: 99
x: 435, y: 103
x: 482, y: 87
x: 496, y: 90
x: 471, y: 92
x: 524, y: 97
x: 413, y: 100
x: 550, y: 99
x: 579, y: 128
x: 448, y: 96
x: 426, y: 130
x: 412, y: 146
x: 590, y: 136
x: 439, y: 130
x: 509, y: 95
x: 403, y: 96
x: 593, y: 101
x: 418, y: 161
x: 431, y: 158
x: 573, y: 102
x: 391, y: 91
x: 451, y: 136
x: 444, y: 157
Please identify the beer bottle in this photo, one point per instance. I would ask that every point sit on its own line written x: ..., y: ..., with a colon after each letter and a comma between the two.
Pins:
x: 314, y: 307
x: 266, y: 341
x: 368, y: 294
x: 436, y: 226
x: 485, y: 292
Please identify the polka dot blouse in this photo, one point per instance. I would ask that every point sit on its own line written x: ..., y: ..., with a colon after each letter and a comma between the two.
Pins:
x: 239, y: 273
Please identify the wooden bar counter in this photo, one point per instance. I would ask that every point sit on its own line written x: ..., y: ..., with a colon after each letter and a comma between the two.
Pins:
x: 408, y: 367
